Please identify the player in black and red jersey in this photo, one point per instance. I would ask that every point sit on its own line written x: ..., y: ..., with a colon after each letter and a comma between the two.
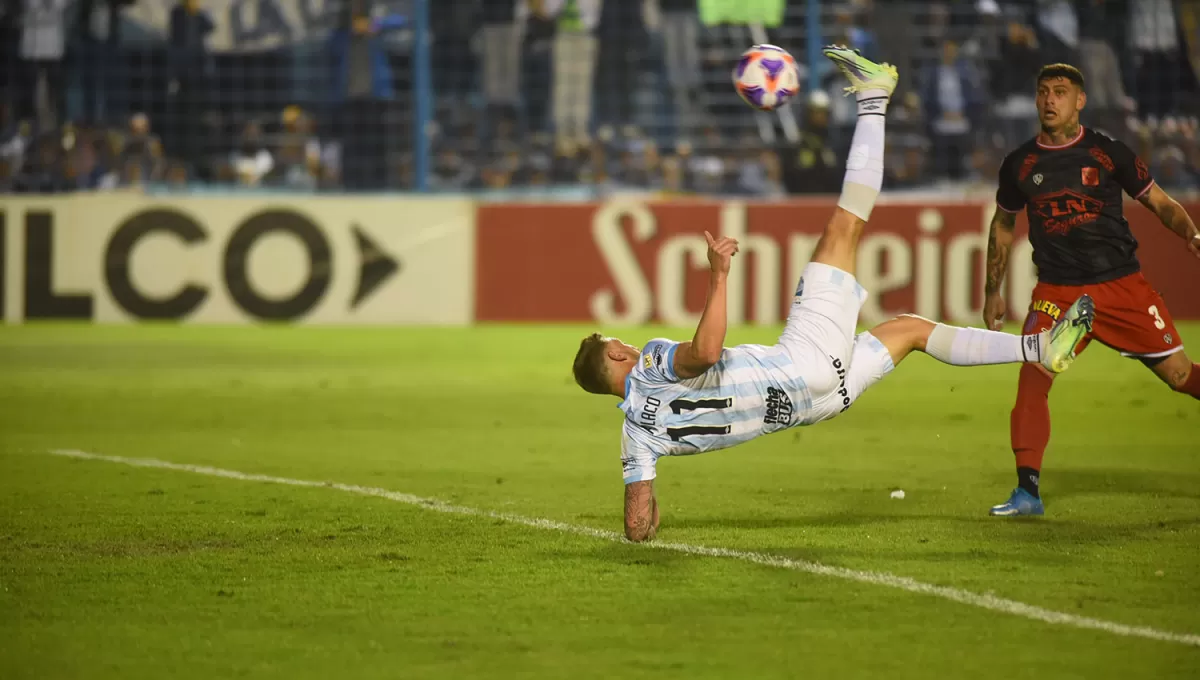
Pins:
x: 1069, y: 181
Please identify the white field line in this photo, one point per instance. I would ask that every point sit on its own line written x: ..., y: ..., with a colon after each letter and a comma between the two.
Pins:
x: 878, y: 578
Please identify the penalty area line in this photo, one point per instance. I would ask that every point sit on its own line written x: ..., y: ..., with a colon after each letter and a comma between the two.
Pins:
x: 878, y: 578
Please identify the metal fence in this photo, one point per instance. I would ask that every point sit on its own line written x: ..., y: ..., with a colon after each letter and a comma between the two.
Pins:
x: 574, y: 97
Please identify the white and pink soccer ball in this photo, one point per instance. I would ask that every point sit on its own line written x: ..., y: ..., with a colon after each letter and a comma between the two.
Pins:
x: 766, y: 77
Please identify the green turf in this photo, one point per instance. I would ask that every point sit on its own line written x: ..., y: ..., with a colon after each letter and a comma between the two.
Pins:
x: 108, y: 571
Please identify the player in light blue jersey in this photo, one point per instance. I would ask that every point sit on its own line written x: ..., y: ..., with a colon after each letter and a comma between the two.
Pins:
x: 682, y: 398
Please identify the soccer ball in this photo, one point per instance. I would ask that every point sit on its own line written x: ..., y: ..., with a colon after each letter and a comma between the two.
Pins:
x: 766, y: 77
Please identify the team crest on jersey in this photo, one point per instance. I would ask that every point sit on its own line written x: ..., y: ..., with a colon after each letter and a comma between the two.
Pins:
x: 1037, y: 179
x: 1090, y: 177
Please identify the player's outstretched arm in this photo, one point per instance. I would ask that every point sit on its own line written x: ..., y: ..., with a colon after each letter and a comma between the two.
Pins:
x: 641, y: 511
x: 1000, y: 240
x: 704, y: 351
x: 1173, y: 216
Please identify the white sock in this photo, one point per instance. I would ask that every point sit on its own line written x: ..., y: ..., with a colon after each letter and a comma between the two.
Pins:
x: 978, y: 347
x: 864, y: 164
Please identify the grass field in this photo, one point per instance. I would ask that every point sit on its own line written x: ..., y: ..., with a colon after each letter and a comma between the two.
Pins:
x: 115, y: 571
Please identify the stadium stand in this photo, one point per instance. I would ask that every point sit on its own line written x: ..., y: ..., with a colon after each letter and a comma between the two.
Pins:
x: 578, y: 97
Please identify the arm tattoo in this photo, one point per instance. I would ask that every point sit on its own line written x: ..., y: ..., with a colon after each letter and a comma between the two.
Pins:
x: 1170, y: 213
x: 1166, y: 213
x: 639, y: 511
x: 1178, y: 380
x: 999, y: 243
x: 1175, y: 218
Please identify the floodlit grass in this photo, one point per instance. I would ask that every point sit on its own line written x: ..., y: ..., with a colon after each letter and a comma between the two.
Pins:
x: 113, y: 571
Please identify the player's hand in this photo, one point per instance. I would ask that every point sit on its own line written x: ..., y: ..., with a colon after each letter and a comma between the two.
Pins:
x: 994, y: 308
x: 720, y: 252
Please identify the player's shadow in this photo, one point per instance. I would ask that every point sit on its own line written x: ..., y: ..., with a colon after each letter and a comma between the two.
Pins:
x: 1065, y: 483
x: 1000, y: 557
x: 746, y: 522
x: 840, y: 519
x: 627, y: 555
x: 955, y: 528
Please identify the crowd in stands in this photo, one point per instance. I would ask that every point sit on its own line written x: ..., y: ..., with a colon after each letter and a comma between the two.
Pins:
x: 609, y: 95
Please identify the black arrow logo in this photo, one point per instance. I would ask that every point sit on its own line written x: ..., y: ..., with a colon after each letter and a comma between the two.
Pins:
x: 375, y: 267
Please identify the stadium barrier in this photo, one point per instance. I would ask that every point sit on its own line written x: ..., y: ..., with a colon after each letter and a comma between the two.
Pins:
x: 113, y: 258
x: 120, y: 258
x: 626, y: 263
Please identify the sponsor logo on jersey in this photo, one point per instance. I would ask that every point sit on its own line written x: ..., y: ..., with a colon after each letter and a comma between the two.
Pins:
x: 1168, y: 339
x: 779, y: 407
x: 1064, y: 210
x: 1046, y: 307
x: 1027, y: 166
x: 1103, y: 158
x: 1090, y: 177
x: 647, y: 361
x: 1142, y: 171
x: 841, y: 374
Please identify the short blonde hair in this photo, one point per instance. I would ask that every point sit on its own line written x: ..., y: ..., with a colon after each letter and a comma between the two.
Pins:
x: 591, y: 371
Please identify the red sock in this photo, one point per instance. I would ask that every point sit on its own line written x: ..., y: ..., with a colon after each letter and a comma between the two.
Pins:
x: 1192, y: 386
x: 1030, y: 420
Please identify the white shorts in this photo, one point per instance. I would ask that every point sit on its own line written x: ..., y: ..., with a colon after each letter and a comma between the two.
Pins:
x: 836, y: 364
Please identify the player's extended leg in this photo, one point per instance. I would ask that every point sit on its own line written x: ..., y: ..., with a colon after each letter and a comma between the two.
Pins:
x: 877, y: 352
x: 1053, y: 349
x: 824, y: 313
x: 872, y: 84
x: 1178, y: 372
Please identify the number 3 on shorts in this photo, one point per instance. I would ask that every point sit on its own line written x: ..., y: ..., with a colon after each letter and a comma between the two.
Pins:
x: 1158, y: 320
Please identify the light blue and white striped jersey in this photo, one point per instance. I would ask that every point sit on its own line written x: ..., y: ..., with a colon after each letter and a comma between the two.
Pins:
x: 753, y: 390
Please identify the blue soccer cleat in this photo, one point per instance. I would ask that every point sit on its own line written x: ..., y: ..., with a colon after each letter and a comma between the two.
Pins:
x: 1021, y: 502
